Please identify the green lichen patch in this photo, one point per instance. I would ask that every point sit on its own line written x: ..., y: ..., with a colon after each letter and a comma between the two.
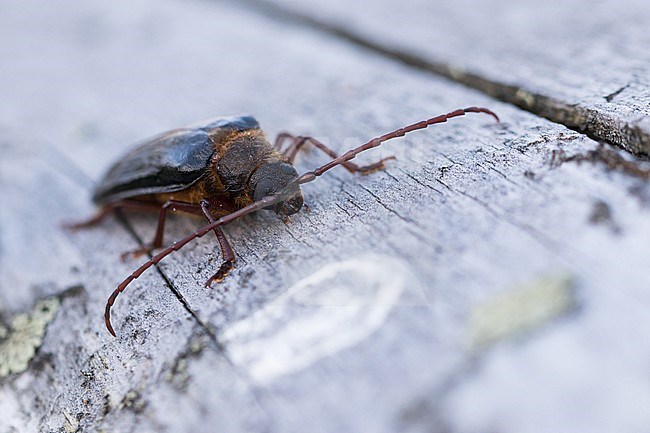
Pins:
x: 521, y: 310
x: 134, y: 401
x: 178, y: 375
x: 25, y: 336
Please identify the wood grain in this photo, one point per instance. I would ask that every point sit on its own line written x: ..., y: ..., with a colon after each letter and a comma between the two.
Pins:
x: 356, y: 316
x: 580, y: 64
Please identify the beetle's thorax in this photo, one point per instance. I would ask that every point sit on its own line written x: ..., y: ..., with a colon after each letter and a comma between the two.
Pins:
x: 245, y: 165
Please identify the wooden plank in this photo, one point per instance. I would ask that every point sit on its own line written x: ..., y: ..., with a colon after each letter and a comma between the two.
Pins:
x: 75, y: 372
x: 572, y: 63
x: 293, y: 340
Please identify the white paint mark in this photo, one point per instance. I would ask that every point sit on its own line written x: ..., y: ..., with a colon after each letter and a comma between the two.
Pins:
x: 337, y: 307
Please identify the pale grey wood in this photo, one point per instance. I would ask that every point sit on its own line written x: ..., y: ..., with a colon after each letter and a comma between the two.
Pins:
x: 579, y: 63
x: 469, y: 210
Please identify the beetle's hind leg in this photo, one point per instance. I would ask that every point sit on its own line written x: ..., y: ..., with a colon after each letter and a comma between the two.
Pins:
x: 298, y: 142
x: 109, y: 209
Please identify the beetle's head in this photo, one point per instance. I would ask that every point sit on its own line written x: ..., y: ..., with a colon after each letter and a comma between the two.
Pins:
x: 273, y: 178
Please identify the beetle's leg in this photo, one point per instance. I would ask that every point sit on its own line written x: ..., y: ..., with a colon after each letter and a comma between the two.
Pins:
x: 298, y: 142
x: 209, y: 208
x: 169, y: 205
x: 110, y: 208
x: 281, y: 138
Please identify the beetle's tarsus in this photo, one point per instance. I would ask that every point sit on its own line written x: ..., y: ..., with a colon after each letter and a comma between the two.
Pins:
x: 73, y: 227
x: 134, y: 254
x: 377, y: 166
x: 222, y: 273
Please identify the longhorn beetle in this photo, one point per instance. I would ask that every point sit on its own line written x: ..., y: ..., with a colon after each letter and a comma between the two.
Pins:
x: 221, y: 170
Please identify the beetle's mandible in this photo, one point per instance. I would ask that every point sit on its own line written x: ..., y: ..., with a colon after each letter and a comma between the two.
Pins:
x: 221, y: 170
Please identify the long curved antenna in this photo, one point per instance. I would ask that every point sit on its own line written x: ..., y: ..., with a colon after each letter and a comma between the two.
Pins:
x: 350, y: 154
x: 274, y: 199
x: 260, y: 204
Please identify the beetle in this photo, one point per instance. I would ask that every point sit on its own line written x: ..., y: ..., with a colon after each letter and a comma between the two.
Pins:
x: 222, y: 170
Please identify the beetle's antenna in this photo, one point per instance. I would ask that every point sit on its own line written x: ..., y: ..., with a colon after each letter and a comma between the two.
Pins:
x: 260, y: 204
x: 274, y: 199
x: 375, y: 142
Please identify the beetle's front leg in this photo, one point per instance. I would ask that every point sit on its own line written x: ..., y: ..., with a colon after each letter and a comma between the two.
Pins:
x: 207, y: 208
x: 227, y: 253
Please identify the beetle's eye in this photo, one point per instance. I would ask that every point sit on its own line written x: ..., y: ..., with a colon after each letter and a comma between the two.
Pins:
x: 264, y: 188
x: 273, y: 178
x: 288, y: 170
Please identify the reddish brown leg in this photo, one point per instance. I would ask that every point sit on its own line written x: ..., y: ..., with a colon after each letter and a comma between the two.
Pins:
x: 110, y: 208
x: 298, y: 142
x: 207, y: 208
x: 227, y: 254
x: 281, y: 138
x: 170, y: 205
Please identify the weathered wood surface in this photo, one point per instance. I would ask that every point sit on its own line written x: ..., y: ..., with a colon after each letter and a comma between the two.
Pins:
x: 497, y: 283
x: 584, y: 64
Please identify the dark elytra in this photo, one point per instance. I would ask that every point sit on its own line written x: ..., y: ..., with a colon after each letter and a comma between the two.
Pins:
x: 221, y: 170
x: 170, y: 162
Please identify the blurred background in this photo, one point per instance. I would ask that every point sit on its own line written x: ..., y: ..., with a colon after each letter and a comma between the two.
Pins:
x: 492, y: 278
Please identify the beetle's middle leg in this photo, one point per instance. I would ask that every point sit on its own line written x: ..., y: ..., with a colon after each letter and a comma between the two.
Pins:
x: 298, y: 142
x: 175, y: 206
x: 169, y: 205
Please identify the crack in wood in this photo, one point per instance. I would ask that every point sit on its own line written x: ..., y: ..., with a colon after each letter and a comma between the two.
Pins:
x: 595, y: 124
x: 611, y: 96
x: 294, y: 237
x: 608, y: 157
x: 170, y: 285
x: 343, y: 209
x: 545, y: 241
x: 419, y: 182
x: 390, y: 209
x: 256, y: 391
x: 353, y: 201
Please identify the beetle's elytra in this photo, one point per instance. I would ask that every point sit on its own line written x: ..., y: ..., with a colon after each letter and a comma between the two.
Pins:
x: 221, y: 170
